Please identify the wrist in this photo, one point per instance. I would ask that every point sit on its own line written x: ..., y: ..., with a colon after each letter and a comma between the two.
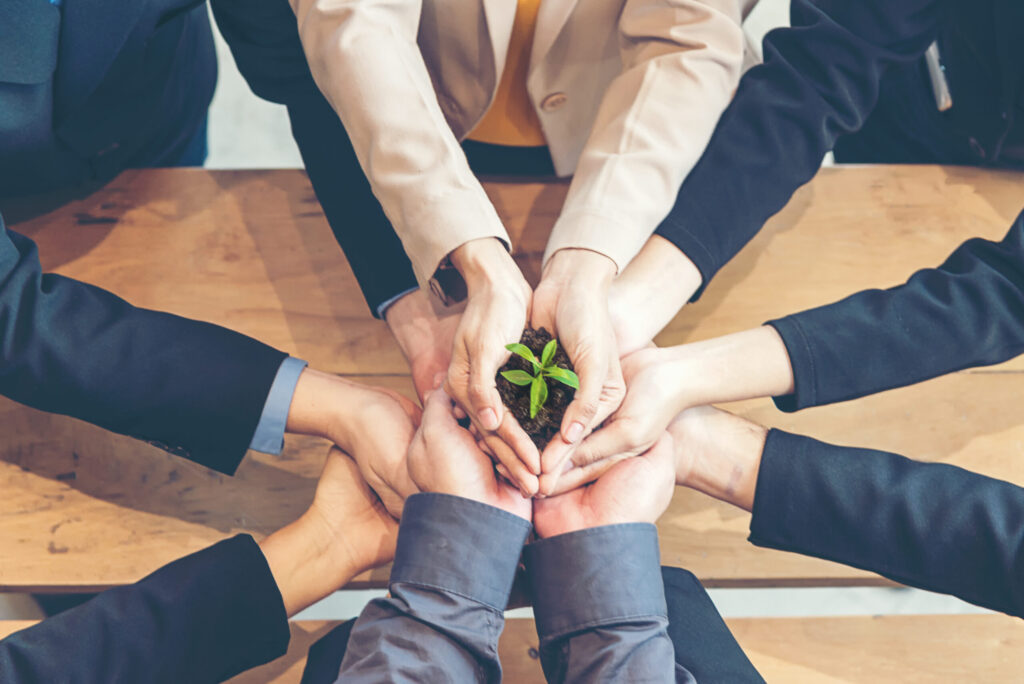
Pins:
x: 484, y: 263
x: 323, y: 405
x: 719, y: 454
x: 583, y: 267
x: 307, y: 562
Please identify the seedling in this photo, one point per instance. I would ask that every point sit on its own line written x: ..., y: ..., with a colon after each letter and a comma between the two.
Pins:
x: 544, y: 368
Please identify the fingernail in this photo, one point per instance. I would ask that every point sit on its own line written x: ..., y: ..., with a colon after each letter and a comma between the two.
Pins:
x: 567, y: 467
x: 574, y: 433
x: 488, y: 419
x: 438, y: 379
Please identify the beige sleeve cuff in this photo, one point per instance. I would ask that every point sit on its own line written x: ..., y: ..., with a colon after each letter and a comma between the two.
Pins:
x: 616, y: 237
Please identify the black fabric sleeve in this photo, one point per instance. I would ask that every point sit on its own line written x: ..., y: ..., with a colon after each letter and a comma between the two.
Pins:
x: 927, y: 525
x: 967, y: 312
x: 703, y: 644
x: 820, y: 79
x: 203, y: 618
x: 264, y: 40
x: 66, y: 347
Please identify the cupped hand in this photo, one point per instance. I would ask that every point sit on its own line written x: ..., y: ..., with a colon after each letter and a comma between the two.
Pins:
x: 633, y: 490
x: 495, y: 315
x: 444, y: 458
x: 376, y: 431
x: 426, y: 336
x: 360, y: 526
x: 572, y: 303
x: 653, y: 399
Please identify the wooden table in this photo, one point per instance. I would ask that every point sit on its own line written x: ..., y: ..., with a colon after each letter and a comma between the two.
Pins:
x: 83, y: 509
x: 849, y: 650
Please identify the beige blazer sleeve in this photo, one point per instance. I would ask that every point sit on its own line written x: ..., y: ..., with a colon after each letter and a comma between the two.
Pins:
x: 364, y: 57
x: 682, y: 61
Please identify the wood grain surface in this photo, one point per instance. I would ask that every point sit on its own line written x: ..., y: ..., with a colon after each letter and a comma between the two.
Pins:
x: 893, y: 649
x: 84, y: 509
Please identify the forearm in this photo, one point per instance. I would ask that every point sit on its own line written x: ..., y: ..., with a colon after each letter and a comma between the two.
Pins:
x: 205, y: 617
x: 365, y: 58
x: 928, y: 525
x: 681, y: 63
x: 450, y: 583
x: 819, y: 80
x: 745, y: 365
x: 967, y: 312
x: 307, y: 561
x: 71, y: 348
x: 646, y: 296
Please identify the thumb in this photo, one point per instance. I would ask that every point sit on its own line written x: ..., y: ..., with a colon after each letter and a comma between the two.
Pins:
x: 580, y: 414
x: 618, y: 438
x: 483, y: 391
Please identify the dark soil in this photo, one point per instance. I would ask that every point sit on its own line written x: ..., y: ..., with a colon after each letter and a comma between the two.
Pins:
x: 549, y: 418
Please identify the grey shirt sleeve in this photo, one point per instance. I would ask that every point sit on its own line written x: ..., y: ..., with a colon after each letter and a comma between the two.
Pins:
x: 453, y: 572
x: 599, y: 602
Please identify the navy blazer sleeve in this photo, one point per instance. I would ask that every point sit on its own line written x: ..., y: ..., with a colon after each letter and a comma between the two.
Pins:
x: 67, y: 347
x: 203, y: 618
x: 264, y: 39
x: 820, y: 79
x: 927, y: 525
x: 967, y: 312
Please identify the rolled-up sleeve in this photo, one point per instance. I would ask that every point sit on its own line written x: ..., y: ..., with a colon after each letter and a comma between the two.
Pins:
x: 599, y: 602
x: 454, y: 567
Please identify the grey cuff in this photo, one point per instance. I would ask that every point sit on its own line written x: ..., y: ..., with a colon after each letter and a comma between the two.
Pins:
x: 460, y: 546
x: 593, y: 577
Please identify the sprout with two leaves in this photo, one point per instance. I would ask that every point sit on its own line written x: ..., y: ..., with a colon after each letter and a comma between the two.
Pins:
x: 543, y: 368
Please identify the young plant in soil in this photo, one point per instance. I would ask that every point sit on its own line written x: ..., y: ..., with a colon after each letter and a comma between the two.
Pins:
x: 537, y: 384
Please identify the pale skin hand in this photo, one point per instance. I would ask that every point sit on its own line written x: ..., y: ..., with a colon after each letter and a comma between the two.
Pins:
x: 649, y: 293
x: 634, y: 490
x: 571, y: 301
x: 664, y: 382
x: 495, y: 315
x: 444, y: 458
x: 426, y: 336
x: 373, y: 425
x: 345, y: 532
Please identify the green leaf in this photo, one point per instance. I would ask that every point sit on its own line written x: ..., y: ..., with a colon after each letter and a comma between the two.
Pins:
x: 548, y: 353
x: 517, y: 377
x: 564, y: 376
x: 538, y: 395
x: 524, y: 351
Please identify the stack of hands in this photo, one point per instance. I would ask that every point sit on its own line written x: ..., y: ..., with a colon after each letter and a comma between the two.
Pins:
x: 629, y: 390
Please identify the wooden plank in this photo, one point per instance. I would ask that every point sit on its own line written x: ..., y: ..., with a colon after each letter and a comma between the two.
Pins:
x: 84, y: 509
x: 901, y: 649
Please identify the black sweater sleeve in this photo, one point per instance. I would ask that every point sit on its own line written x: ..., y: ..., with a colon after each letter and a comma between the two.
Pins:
x: 967, y: 312
x: 66, y: 347
x: 203, y: 618
x: 927, y: 525
x: 819, y: 80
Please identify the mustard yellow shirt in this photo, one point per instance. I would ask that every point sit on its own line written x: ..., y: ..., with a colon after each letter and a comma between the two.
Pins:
x: 511, y: 118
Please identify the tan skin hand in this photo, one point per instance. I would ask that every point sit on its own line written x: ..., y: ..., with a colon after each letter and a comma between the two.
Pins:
x: 344, y: 532
x: 495, y: 315
x: 426, y: 336
x: 633, y: 490
x: 572, y: 303
x: 444, y: 458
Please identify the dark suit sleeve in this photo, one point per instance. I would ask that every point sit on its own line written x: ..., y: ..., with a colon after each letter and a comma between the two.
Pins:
x: 927, y: 525
x: 203, y: 618
x: 967, y: 312
x: 820, y: 79
x: 264, y: 40
x: 67, y: 347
